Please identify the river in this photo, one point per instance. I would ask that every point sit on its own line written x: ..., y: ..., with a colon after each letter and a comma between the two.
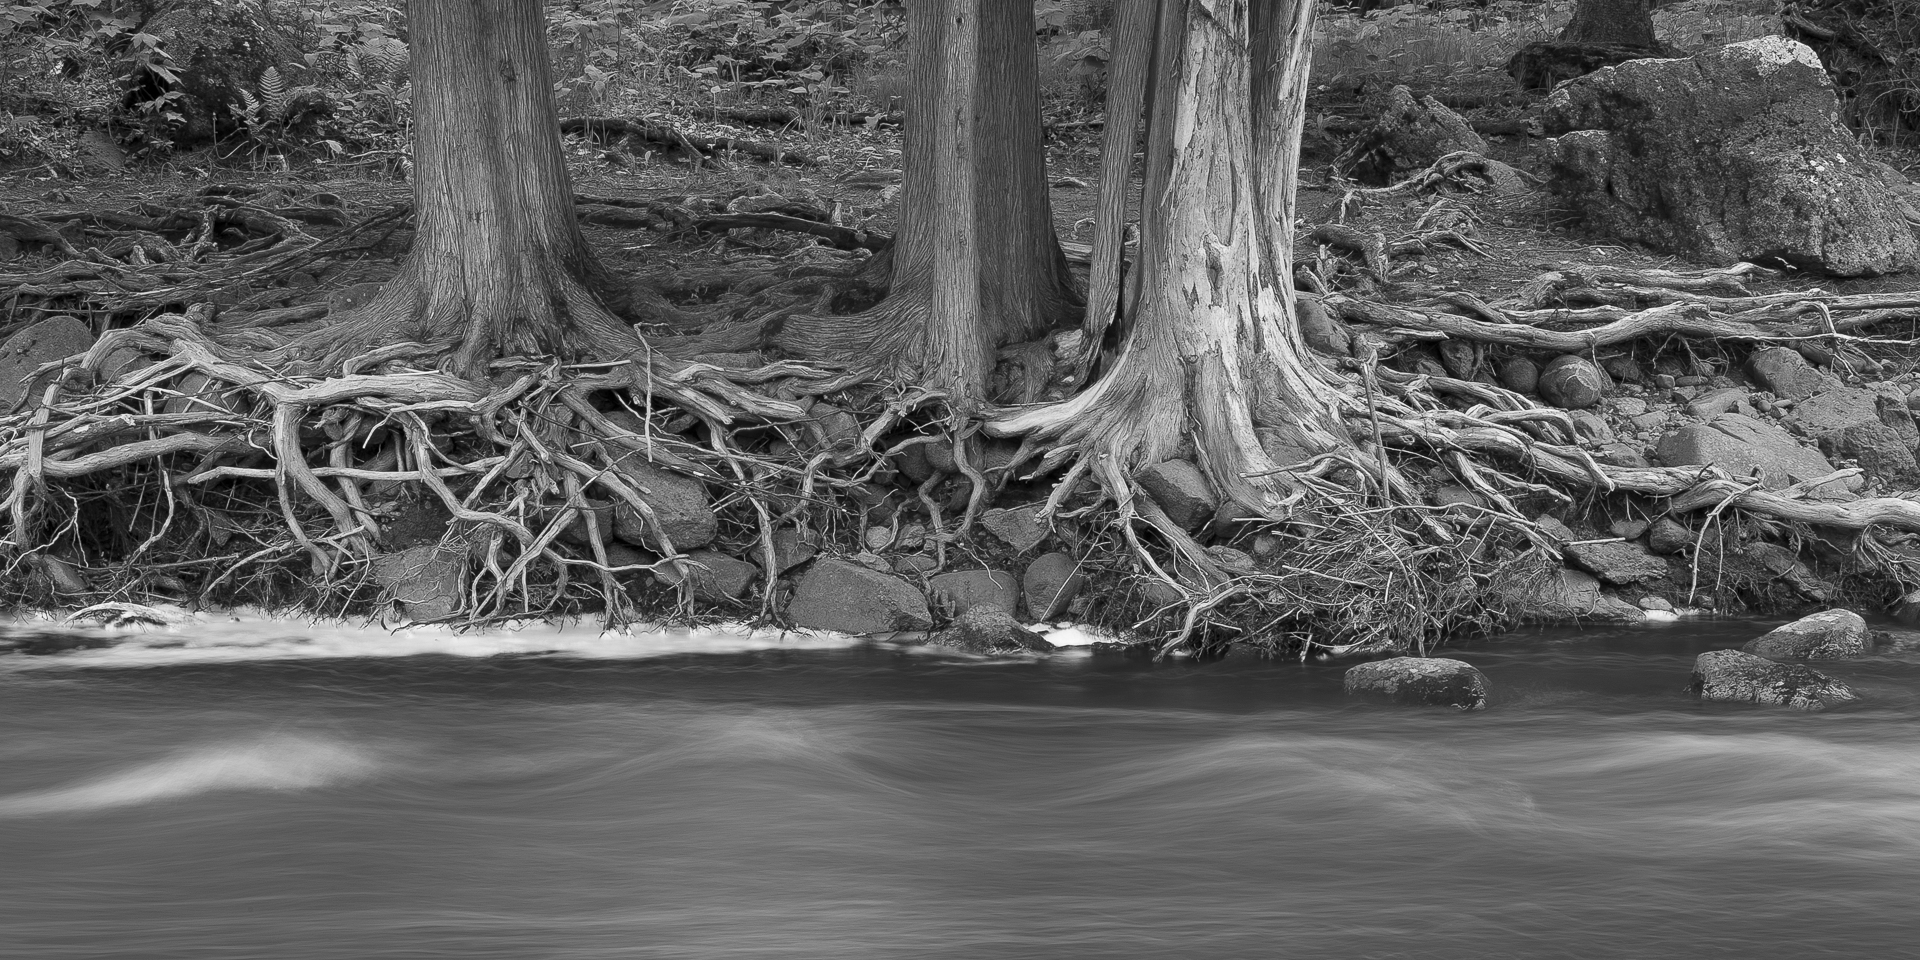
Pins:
x: 275, y: 792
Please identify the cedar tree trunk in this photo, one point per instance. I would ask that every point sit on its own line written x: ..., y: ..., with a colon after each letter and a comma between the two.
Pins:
x: 1213, y: 364
x: 976, y: 263
x: 498, y: 266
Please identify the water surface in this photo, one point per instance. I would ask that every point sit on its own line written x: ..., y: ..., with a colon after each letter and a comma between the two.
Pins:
x: 283, y: 793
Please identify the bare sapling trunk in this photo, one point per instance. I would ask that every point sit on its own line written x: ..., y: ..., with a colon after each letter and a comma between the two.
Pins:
x: 499, y: 266
x: 1212, y: 358
x: 976, y: 263
x: 1622, y: 23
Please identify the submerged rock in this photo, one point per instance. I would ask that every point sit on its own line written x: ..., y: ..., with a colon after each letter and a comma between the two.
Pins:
x: 1827, y: 635
x: 849, y: 598
x: 990, y: 632
x: 1421, y: 681
x: 1732, y: 676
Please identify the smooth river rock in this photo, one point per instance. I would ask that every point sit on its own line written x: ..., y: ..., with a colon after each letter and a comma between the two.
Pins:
x: 1827, y: 635
x: 1732, y: 676
x: 1420, y: 681
x: 849, y: 598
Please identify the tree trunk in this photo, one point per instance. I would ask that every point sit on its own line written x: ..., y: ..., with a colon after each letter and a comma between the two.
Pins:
x: 1213, y: 354
x: 499, y: 266
x: 962, y: 284
x: 1620, y: 23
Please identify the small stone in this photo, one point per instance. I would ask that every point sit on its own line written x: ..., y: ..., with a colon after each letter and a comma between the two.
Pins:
x: 1691, y: 380
x: 1736, y: 677
x: 1592, y: 426
x: 1572, y: 383
x: 1520, y: 375
x: 1827, y: 635
x: 1628, y: 529
x: 962, y: 590
x: 1050, y: 583
x: 1615, y: 562
x: 425, y: 580
x: 848, y: 598
x: 1786, y: 374
x: 1451, y: 495
x: 1181, y: 490
x: 832, y: 427
x: 1420, y: 681
x: 1629, y: 407
x: 878, y: 537
x: 1666, y: 537
x: 716, y: 576
x: 1017, y: 527
x: 1623, y: 369
x: 915, y: 564
x: 1716, y: 402
x: 1555, y: 530
x: 1664, y: 381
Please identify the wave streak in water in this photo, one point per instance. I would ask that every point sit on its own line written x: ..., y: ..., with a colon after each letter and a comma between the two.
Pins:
x: 275, y: 762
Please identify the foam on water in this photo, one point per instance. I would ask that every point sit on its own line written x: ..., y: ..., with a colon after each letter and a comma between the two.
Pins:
x: 276, y: 762
x: 250, y: 637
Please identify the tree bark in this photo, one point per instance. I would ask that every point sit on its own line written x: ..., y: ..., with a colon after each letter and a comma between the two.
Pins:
x: 1621, y: 23
x: 976, y: 263
x: 499, y: 266
x: 1213, y: 354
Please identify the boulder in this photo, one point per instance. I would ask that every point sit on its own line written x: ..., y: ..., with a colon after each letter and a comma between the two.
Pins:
x: 1563, y: 595
x: 1734, y: 154
x: 1181, y: 490
x: 1017, y: 527
x: 1878, y: 450
x: 1833, y: 409
x: 848, y: 598
x: 1827, y: 635
x: 1050, y: 583
x: 1724, y: 400
x: 1420, y: 681
x: 1407, y: 135
x: 55, y: 338
x: 1743, y: 446
x: 679, y: 502
x: 963, y: 590
x: 423, y: 579
x: 990, y: 632
x: 1616, y: 562
x: 1572, y: 383
x: 1735, y: 677
x: 1785, y: 372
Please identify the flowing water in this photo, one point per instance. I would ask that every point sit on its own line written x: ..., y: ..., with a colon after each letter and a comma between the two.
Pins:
x: 271, y: 791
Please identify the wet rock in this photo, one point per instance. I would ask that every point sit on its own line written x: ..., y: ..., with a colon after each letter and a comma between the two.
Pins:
x: 55, y: 338
x: 1616, y: 562
x: 848, y: 598
x: 1520, y: 375
x: 963, y: 590
x: 425, y: 580
x: 1667, y: 537
x: 1420, y: 681
x: 1017, y: 527
x: 1734, y: 154
x: 1564, y: 595
x: 680, y: 503
x: 1735, y: 677
x: 1743, y: 446
x: 1050, y: 584
x: 1907, y: 611
x: 990, y: 632
x: 1656, y: 604
x: 1786, y: 373
x: 1827, y: 635
x: 1572, y: 383
x: 1181, y: 490
x: 717, y: 576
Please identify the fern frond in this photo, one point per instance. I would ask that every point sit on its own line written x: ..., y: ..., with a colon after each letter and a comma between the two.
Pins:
x: 273, y: 93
